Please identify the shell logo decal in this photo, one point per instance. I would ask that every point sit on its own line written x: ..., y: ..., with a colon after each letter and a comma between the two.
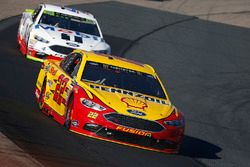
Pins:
x: 131, y: 102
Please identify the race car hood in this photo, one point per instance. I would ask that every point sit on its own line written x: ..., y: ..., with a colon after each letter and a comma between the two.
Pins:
x: 69, y: 38
x: 132, y: 103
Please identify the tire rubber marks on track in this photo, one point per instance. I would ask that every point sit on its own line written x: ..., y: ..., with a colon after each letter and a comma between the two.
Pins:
x: 153, y: 31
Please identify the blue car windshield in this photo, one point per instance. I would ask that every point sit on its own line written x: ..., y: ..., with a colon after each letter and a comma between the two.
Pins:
x: 69, y: 22
x: 122, y: 78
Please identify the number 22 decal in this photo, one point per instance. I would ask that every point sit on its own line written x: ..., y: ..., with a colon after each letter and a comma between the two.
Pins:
x: 93, y: 115
x: 60, y: 89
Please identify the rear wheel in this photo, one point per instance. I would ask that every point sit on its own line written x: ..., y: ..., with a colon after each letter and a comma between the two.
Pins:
x: 18, y: 46
x: 42, y: 95
x: 68, y: 113
x: 18, y: 42
x: 22, y: 46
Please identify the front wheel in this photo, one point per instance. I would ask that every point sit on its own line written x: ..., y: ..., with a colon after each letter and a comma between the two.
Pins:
x: 68, y: 113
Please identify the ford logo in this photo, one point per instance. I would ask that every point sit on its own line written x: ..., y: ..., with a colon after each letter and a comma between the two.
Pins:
x: 72, y: 44
x: 136, y: 112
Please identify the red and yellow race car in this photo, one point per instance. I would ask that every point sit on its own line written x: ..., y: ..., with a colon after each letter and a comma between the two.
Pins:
x: 110, y: 98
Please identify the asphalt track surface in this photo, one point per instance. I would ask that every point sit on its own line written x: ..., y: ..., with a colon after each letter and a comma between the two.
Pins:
x: 204, y: 66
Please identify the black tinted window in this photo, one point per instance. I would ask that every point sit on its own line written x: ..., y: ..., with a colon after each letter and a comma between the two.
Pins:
x: 36, y: 12
x: 123, y: 78
x: 71, y: 64
x: 69, y: 22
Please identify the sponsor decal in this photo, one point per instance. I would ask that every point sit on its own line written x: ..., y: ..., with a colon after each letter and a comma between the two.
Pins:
x: 45, y: 27
x: 50, y: 83
x: 53, y: 71
x: 47, y: 68
x: 51, y: 28
x: 65, y: 31
x: 72, y: 10
x: 126, y: 92
x: 131, y: 102
x: 136, y: 112
x: 82, y: 35
x: 130, y: 61
x: 61, y: 87
x: 72, y: 44
x: 75, y: 123
x: 133, y: 131
x: 48, y: 95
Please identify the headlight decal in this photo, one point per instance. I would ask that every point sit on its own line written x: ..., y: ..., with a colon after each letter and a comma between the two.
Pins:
x: 175, y: 119
x: 176, y: 123
x: 40, y: 39
x: 90, y: 104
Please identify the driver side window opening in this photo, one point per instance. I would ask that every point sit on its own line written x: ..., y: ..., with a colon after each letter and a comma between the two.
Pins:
x: 71, y: 64
x: 36, y: 13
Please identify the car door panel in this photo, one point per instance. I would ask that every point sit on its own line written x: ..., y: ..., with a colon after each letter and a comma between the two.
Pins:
x: 58, y: 85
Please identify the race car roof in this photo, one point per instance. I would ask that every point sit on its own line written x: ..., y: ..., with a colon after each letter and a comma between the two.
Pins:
x: 68, y: 10
x: 117, y: 61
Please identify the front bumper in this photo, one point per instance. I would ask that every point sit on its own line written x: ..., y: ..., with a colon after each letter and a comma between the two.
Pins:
x: 167, y: 141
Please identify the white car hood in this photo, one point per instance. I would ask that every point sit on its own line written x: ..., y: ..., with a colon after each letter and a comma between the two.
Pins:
x: 70, y: 38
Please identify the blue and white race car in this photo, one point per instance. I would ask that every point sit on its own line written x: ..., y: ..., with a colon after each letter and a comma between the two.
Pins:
x: 56, y: 31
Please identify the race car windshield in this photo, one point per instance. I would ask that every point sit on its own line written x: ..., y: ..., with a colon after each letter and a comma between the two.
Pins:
x: 122, y: 78
x: 69, y: 22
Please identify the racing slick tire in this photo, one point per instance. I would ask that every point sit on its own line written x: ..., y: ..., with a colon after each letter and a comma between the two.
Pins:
x: 68, y: 112
x: 42, y: 96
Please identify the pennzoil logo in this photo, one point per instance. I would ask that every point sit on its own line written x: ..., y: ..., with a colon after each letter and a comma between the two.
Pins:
x: 130, y: 93
x: 131, y: 102
x: 133, y: 131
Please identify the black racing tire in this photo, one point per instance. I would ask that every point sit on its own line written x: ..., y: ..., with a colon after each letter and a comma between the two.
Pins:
x: 17, y: 42
x: 68, y: 113
x: 27, y: 48
x: 42, y: 95
x: 18, y: 46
